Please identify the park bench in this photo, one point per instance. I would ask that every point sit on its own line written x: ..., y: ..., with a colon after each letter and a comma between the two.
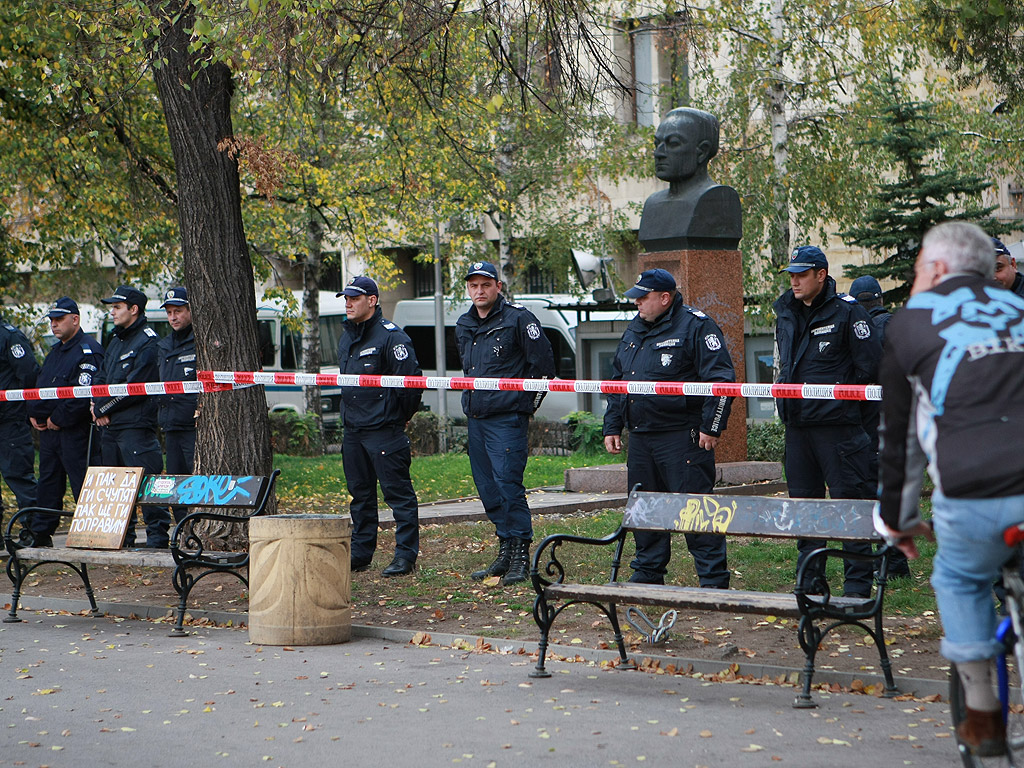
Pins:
x: 818, y: 611
x: 226, y: 499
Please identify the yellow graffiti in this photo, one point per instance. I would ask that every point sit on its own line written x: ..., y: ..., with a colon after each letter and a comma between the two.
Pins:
x: 705, y: 515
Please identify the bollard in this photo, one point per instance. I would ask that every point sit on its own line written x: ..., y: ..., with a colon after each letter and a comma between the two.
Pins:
x: 299, y: 588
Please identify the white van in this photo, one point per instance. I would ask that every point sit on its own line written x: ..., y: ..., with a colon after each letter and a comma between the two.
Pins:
x: 416, y: 317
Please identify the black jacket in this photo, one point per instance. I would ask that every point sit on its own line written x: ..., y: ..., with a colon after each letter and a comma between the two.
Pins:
x: 1018, y: 284
x: 377, y: 347
x: 684, y: 344
x: 178, y: 363
x: 132, y: 356
x: 18, y: 369
x: 71, y: 363
x: 831, y: 342
x: 953, y: 376
x: 510, y: 344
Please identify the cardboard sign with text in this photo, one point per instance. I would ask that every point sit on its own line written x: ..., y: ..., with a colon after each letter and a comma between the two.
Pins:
x: 105, y: 506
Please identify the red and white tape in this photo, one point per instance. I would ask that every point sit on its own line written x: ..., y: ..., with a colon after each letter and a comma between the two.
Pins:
x: 218, y: 381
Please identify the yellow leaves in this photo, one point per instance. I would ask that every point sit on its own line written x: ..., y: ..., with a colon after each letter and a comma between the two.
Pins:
x: 45, y: 691
x: 496, y: 102
x: 420, y: 638
x: 836, y: 742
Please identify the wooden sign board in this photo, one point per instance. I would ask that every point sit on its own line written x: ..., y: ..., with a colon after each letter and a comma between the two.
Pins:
x: 105, y: 506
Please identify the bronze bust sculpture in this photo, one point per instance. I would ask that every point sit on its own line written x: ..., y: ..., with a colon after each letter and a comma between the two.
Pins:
x: 694, y: 212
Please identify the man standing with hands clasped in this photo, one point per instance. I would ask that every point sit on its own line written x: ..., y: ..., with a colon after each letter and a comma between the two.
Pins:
x: 672, y: 438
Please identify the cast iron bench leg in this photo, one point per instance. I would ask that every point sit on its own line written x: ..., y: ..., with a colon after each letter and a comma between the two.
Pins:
x: 182, y: 585
x: 809, y: 636
x: 620, y: 640
x: 543, y: 614
x: 890, y: 683
x: 84, y: 573
x: 16, y: 574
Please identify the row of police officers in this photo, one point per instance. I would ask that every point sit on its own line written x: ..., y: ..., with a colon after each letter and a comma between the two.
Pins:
x: 112, y: 431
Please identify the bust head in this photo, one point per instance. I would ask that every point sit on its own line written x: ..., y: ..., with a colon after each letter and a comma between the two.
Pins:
x: 684, y: 142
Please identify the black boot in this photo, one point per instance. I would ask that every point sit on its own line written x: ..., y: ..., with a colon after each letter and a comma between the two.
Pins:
x: 500, y: 564
x: 519, y: 566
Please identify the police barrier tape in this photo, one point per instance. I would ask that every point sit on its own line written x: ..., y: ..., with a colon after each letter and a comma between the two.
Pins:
x: 219, y: 381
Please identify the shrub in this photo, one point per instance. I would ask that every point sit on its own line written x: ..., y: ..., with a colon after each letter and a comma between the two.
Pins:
x: 587, y: 432
x: 766, y: 441
x: 422, y: 432
x: 295, y: 435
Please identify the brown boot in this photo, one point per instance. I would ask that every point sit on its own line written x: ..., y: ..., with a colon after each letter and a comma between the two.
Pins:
x: 983, y: 733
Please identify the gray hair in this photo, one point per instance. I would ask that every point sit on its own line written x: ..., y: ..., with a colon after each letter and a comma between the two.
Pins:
x: 962, y: 247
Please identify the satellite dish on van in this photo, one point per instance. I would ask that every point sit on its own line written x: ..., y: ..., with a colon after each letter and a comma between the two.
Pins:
x: 588, y: 268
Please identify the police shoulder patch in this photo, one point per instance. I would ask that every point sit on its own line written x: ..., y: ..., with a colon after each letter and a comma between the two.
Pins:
x: 389, y: 325
x: 401, y: 353
x: 713, y: 342
x: 86, y: 349
x: 84, y: 378
x: 515, y: 306
x: 533, y: 331
x: 18, y: 351
x: 861, y: 329
x: 697, y: 313
x: 150, y: 332
x: 848, y: 297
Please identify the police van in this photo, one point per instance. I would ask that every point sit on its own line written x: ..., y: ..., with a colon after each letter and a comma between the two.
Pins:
x: 558, y: 316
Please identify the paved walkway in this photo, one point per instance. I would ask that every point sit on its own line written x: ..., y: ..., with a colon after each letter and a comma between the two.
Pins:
x: 79, y: 691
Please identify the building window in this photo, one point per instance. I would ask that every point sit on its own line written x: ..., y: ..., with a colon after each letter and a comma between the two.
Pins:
x: 422, y: 278
x: 653, y: 54
x: 1016, y: 193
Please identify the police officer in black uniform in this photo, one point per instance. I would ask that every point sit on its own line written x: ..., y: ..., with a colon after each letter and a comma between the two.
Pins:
x: 66, y: 448
x: 128, y: 423
x: 824, y: 337
x: 177, y: 412
x: 18, y: 370
x: 671, y: 438
x: 375, y: 447
x: 503, y: 340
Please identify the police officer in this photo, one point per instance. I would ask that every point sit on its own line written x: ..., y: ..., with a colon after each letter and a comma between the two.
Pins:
x: 672, y: 438
x: 1006, y: 269
x: 868, y: 293
x: 499, y: 339
x: 128, y: 423
x: 177, y: 413
x: 824, y: 337
x: 65, y: 427
x: 18, y: 370
x: 374, y: 446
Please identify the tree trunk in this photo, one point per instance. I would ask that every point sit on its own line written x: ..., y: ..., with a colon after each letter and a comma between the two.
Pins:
x: 777, y: 97
x: 311, y: 349
x: 233, y: 427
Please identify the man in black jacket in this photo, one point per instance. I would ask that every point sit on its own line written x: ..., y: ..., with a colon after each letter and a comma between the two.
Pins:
x: 177, y: 412
x: 953, y: 382
x: 18, y: 370
x: 375, y: 446
x: 672, y: 438
x: 501, y: 340
x: 65, y: 427
x: 1006, y: 269
x: 824, y: 337
x: 128, y: 423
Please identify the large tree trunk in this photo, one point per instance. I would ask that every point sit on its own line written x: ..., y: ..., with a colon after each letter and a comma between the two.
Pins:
x: 777, y: 98
x: 311, y: 349
x: 233, y: 428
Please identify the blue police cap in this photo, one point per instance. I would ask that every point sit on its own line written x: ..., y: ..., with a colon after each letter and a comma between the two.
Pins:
x: 483, y: 268
x: 865, y: 288
x: 62, y: 307
x: 360, y: 286
x: 651, y: 281
x: 175, y: 297
x: 806, y: 257
x: 128, y: 295
x: 1001, y: 250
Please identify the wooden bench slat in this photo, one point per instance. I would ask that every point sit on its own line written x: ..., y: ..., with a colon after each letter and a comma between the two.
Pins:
x: 146, y: 558
x: 726, y: 600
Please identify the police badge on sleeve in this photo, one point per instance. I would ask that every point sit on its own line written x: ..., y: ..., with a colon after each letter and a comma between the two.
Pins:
x: 401, y: 353
x: 713, y: 342
x: 18, y: 351
x: 861, y: 329
x: 533, y: 331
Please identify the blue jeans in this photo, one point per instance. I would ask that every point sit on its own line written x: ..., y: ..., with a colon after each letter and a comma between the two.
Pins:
x: 970, y: 556
x: 497, y: 456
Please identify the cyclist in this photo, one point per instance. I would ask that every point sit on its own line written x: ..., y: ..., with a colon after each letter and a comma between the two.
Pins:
x: 953, y: 383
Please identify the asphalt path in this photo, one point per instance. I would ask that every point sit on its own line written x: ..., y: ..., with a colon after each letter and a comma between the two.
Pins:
x: 84, y: 691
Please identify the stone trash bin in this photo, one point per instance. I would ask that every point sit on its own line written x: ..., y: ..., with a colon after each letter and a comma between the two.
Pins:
x: 299, y: 588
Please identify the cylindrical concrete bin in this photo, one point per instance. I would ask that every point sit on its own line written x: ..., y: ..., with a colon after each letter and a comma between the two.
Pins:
x: 299, y: 588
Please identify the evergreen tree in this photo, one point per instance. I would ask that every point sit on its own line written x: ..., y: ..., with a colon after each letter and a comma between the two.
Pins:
x: 902, y: 211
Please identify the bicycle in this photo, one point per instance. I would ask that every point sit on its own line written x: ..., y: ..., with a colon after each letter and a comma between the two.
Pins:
x: 1010, y: 635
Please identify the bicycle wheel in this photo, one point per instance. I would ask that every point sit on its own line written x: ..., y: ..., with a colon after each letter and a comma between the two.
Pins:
x: 1014, y: 725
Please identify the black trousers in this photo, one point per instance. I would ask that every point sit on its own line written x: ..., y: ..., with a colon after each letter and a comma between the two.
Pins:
x: 673, y: 462
x: 64, y: 456
x: 369, y: 457
x: 180, y: 446
x: 836, y: 457
x: 139, y: 448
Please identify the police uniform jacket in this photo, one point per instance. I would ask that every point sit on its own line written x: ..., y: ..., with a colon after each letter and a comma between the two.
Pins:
x: 831, y: 342
x: 508, y: 343
x: 71, y: 363
x: 683, y: 344
x: 953, y: 374
x: 131, y: 356
x: 377, y: 347
x: 178, y: 363
x: 1018, y: 284
x: 18, y: 369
